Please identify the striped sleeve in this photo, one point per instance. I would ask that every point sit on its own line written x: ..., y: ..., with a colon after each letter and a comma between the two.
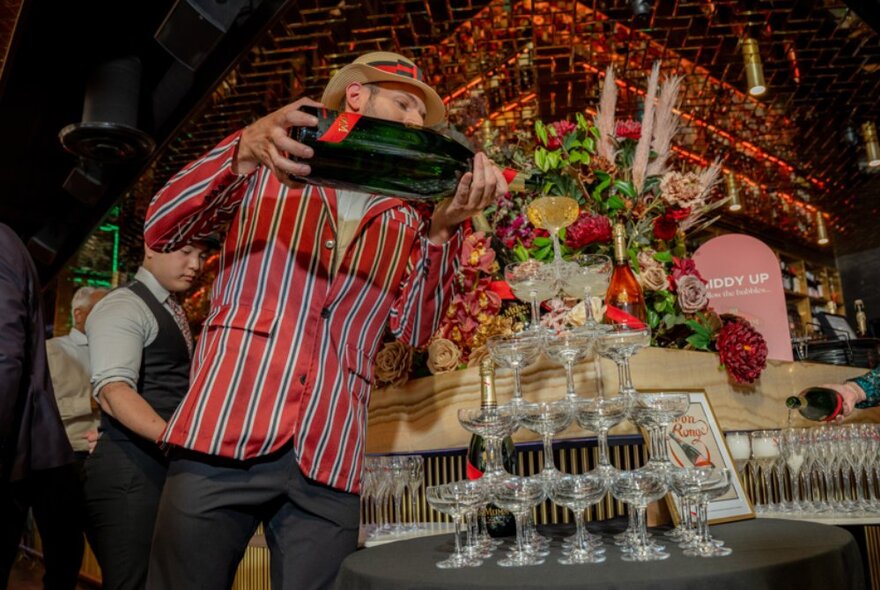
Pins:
x: 425, y: 291
x: 198, y: 201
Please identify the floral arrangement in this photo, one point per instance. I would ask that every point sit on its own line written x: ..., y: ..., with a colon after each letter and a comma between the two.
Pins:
x: 617, y: 170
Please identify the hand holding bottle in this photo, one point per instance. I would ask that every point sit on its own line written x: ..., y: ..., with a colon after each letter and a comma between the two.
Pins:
x: 476, y: 191
x: 851, y: 394
x: 267, y: 142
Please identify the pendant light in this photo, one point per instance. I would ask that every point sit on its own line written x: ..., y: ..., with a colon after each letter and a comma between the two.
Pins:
x: 821, y: 230
x: 754, y: 69
x: 735, y: 202
x: 872, y: 147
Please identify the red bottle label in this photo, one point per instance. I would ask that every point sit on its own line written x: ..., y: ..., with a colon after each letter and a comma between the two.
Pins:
x: 618, y: 316
x: 340, y: 128
x: 472, y: 472
x: 837, y: 410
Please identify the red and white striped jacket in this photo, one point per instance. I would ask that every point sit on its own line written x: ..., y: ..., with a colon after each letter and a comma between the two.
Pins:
x: 287, y: 349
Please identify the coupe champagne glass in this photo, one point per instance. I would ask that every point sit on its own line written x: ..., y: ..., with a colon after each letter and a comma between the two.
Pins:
x: 567, y: 347
x: 531, y: 281
x: 493, y: 424
x: 619, y: 344
x: 519, y: 495
x: 600, y: 415
x: 577, y: 493
x: 656, y: 411
x: 587, y: 275
x: 638, y: 488
x: 765, y: 451
x: 457, y: 499
x: 714, y: 483
x: 553, y: 214
x: 547, y: 419
x: 515, y: 352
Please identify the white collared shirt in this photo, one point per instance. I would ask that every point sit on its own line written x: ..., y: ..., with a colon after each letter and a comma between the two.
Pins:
x: 119, y: 327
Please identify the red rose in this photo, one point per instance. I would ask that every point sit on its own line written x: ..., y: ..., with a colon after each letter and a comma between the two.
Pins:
x: 588, y: 229
x: 665, y: 227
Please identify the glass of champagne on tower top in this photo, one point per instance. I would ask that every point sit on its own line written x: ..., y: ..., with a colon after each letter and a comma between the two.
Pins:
x: 553, y: 214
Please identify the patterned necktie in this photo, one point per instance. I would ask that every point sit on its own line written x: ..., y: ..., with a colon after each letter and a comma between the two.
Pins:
x: 180, y: 319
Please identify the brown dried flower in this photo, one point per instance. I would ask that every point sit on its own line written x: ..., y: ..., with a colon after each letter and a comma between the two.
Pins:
x: 393, y: 364
x: 692, y: 294
x: 443, y: 356
x: 653, y: 278
x: 682, y: 190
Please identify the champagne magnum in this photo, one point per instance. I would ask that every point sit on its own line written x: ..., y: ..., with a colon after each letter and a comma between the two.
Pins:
x: 373, y: 155
x: 817, y: 403
x: 625, y: 302
x: 499, y: 522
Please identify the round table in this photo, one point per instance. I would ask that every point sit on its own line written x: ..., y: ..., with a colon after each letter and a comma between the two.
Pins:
x: 771, y: 554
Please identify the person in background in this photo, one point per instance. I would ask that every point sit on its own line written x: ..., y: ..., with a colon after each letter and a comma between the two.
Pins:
x: 273, y: 426
x: 71, y: 372
x: 140, y: 348
x: 859, y: 392
x: 36, y: 461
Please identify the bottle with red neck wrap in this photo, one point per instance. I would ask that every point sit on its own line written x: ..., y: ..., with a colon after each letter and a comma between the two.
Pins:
x: 624, y: 300
x: 371, y: 155
x: 820, y: 404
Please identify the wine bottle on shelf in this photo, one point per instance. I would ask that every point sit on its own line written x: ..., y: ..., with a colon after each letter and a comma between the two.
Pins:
x: 624, y: 300
x: 861, y: 318
x: 697, y: 458
x: 816, y: 403
x: 373, y: 155
x: 500, y: 522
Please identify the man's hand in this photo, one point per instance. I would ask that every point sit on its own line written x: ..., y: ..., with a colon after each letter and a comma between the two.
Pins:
x: 851, y: 394
x: 267, y: 142
x: 476, y: 191
x: 92, y: 437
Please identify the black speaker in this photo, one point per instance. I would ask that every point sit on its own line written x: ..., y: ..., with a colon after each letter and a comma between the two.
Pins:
x: 193, y: 28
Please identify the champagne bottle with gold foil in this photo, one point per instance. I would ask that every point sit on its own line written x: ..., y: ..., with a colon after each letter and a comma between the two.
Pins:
x: 624, y: 300
x: 374, y: 155
x: 500, y: 522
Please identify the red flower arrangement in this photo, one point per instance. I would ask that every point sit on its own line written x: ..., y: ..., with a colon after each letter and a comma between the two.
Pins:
x: 742, y: 349
x: 588, y: 229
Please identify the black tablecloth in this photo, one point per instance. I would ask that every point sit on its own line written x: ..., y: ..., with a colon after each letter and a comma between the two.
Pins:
x: 771, y: 554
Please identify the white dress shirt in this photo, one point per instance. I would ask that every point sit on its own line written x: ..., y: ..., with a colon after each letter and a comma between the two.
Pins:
x: 119, y: 328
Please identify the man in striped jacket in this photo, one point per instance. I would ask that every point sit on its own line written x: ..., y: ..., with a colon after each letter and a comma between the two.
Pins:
x: 272, y: 428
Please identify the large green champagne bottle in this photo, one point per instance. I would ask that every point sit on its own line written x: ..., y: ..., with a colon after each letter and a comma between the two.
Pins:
x: 500, y: 522
x: 817, y: 403
x: 372, y: 155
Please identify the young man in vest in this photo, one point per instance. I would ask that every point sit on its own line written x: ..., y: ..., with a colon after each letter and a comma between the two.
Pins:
x: 140, y: 349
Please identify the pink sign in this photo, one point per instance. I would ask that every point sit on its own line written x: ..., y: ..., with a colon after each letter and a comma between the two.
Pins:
x: 745, y: 279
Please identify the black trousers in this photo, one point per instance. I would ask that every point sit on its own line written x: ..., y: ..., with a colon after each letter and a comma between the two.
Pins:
x: 55, y: 496
x: 124, y: 481
x: 211, y: 507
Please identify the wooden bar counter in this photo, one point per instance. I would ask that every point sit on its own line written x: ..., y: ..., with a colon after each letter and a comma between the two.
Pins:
x: 422, y: 414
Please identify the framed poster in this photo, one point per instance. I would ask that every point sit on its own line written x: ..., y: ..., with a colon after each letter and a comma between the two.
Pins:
x: 696, y: 440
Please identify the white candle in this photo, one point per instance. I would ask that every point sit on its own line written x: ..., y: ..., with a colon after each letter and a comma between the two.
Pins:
x: 739, y: 445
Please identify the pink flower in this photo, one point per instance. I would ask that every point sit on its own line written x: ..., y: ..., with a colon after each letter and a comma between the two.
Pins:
x: 628, y: 129
x: 477, y: 253
x: 588, y: 229
x: 562, y: 128
x: 682, y: 267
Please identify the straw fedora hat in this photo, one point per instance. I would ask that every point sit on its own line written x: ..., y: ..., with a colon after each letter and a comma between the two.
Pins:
x: 384, y: 66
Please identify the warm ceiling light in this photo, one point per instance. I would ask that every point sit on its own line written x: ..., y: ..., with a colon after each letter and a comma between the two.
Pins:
x: 640, y: 8
x: 821, y: 230
x: 872, y: 148
x: 735, y: 203
x: 754, y: 70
